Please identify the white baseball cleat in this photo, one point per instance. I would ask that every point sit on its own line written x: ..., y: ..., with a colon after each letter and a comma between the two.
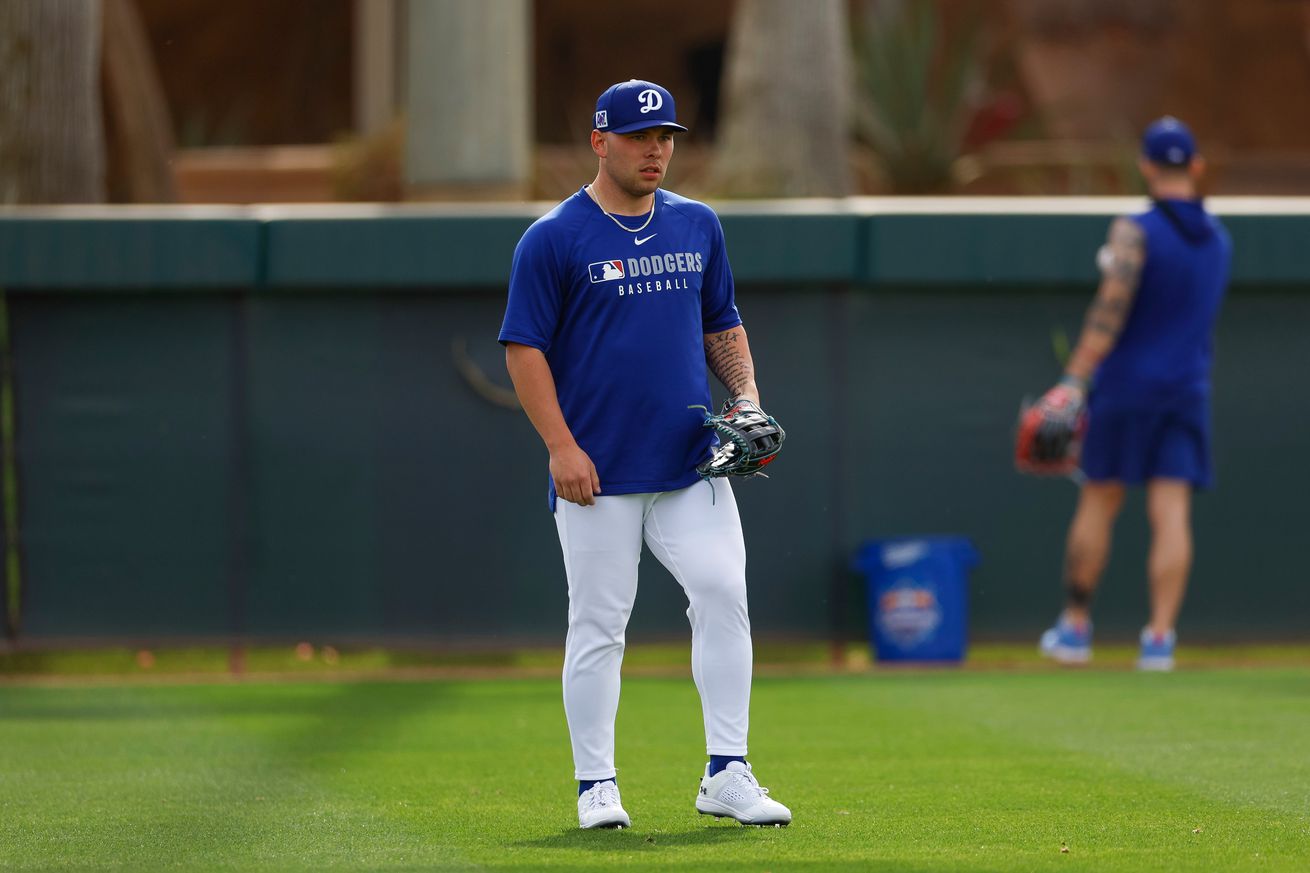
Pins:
x: 734, y: 793
x: 599, y: 807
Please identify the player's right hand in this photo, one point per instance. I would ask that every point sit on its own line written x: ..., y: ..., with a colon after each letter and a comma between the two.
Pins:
x: 575, y: 475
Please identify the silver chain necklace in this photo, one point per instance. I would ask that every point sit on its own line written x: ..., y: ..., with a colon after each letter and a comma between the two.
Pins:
x: 592, y: 195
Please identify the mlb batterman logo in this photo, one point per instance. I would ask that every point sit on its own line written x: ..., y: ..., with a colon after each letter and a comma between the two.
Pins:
x: 605, y: 271
x: 602, y: 119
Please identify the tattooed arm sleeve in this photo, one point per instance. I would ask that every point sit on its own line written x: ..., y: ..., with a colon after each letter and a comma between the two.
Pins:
x: 1120, y: 260
x: 728, y: 355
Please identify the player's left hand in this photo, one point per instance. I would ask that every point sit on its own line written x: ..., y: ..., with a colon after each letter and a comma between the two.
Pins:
x: 749, y: 440
x: 1050, y: 431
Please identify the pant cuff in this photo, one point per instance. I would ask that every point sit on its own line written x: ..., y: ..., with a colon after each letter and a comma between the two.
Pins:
x: 737, y: 751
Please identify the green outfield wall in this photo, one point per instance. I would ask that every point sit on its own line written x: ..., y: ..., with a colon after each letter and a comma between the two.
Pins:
x: 285, y: 422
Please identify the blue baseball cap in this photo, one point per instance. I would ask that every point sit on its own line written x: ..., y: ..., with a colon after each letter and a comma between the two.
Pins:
x: 635, y: 105
x: 1168, y: 142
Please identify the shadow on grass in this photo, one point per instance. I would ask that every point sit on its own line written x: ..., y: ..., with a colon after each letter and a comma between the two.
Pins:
x: 629, y: 839
x: 240, y: 743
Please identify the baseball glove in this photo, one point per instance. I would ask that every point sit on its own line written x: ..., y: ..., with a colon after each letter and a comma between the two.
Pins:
x: 1050, y: 432
x: 749, y: 440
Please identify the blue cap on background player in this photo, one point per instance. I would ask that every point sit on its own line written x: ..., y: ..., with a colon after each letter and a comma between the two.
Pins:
x: 1168, y: 142
x: 635, y: 105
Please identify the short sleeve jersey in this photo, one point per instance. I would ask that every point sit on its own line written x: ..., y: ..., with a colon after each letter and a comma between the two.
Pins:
x: 621, y: 318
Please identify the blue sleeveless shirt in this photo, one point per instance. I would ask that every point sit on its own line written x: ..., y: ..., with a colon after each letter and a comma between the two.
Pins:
x: 1166, y: 346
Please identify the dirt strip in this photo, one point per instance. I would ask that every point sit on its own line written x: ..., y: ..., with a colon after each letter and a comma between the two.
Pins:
x: 510, y: 673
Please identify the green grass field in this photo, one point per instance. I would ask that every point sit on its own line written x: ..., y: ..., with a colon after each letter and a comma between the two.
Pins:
x: 1000, y: 770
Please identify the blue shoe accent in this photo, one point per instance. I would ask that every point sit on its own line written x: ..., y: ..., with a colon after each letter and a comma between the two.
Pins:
x: 721, y: 762
x: 1068, y: 643
x: 1157, y: 651
x: 586, y: 785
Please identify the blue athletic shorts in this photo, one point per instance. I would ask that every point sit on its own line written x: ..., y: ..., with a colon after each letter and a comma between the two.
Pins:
x: 1135, y: 443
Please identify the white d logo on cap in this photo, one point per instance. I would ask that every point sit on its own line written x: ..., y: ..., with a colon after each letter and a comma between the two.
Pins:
x: 650, y: 100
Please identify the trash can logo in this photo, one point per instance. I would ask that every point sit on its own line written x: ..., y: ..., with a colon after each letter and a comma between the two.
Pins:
x: 918, y: 596
x: 909, y: 613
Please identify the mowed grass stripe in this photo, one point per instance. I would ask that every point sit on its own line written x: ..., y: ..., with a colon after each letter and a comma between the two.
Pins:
x: 1080, y: 758
x: 914, y: 771
x: 219, y: 777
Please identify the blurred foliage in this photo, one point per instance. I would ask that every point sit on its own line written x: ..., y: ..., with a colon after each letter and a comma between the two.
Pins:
x: 370, y: 168
x: 918, y: 89
x: 252, y: 72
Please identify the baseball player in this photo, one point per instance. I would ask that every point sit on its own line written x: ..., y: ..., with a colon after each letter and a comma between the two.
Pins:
x: 1145, y: 352
x: 620, y: 299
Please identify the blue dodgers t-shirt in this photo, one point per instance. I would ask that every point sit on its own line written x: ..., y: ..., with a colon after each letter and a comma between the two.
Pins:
x: 621, y: 318
x: 1165, y: 349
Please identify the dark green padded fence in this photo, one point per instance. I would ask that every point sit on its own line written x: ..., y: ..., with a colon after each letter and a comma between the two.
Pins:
x: 67, y: 249
x: 253, y: 423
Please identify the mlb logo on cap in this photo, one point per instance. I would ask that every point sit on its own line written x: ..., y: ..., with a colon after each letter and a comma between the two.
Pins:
x: 635, y: 105
x: 1169, y: 142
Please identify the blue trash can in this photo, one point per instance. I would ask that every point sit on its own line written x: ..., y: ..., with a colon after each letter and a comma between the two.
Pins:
x: 918, y: 596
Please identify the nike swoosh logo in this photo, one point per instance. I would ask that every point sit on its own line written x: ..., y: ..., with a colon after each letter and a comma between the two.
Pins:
x: 640, y: 239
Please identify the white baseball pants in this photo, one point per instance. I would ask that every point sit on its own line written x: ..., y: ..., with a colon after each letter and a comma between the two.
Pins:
x: 699, y: 540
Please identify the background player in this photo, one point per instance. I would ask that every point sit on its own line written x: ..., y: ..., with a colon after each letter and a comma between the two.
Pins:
x: 1147, y: 342
x: 618, y: 300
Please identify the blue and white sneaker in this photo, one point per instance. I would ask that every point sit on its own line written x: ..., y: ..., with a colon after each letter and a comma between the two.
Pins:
x: 1157, y: 651
x: 1068, y: 643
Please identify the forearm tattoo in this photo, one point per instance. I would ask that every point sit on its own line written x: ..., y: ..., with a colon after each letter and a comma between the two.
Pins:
x: 728, y: 361
x: 1120, y: 260
x: 1107, y: 314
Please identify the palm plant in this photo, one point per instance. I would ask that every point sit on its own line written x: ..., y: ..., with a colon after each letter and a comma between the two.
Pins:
x: 918, y: 87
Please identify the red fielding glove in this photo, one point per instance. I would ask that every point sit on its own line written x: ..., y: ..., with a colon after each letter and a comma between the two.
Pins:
x: 1050, y: 432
